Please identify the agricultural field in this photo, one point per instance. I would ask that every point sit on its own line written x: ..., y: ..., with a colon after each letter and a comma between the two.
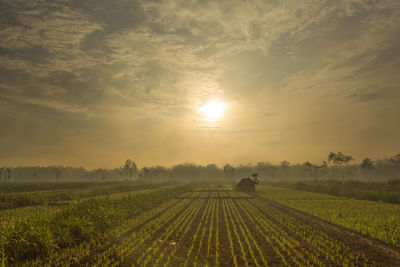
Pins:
x: 31, y: 236
x: 202, y: 226
x: 31, y: 194
x: 376, y: 219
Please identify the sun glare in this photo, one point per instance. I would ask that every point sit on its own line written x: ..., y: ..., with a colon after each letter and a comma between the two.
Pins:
x: 213, y: 110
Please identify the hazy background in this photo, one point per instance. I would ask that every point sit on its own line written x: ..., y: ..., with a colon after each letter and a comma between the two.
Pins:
x: 93, y: 83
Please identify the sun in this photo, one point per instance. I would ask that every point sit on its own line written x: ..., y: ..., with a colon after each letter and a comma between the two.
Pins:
x: 213, y: 110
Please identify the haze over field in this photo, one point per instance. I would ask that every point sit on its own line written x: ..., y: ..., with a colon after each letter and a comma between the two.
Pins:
x: 95, y: 82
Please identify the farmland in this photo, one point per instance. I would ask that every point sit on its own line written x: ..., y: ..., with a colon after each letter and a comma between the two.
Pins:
x: 188, y: 225
x: 371, y: 218
x: 48, y: 193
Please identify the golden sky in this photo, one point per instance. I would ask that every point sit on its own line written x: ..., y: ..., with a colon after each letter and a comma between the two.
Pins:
x: 94, y: 82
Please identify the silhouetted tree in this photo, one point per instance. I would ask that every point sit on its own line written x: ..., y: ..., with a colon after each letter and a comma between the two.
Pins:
x: 57, y: 173
x: 310, y: 167
x: 315, y: 170
x: 130, y: 167
x: 285, y: 164
x: 266, y: 169
x: 285, y: 168
x: 307, y: 164
x: 339, y: 160
x: 229, y: 171
x: 255, y: 177
x: 145, y: 172
x: 367, y: 164
x: 7, y: 175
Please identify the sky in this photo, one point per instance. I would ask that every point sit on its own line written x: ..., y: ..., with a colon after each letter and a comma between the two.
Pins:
x: 92, y: 83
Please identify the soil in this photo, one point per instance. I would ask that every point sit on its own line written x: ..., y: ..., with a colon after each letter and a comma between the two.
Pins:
x: 209, y: 237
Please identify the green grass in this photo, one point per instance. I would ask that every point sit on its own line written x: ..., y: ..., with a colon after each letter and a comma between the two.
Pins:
x: 23, y: 199
x: 36, y: 236
x: 19, y: 187
x: 387, y: 191
x: 376, y: 219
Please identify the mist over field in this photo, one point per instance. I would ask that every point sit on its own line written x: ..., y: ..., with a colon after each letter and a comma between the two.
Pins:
x: 199, y: 133
x: 337, y: 166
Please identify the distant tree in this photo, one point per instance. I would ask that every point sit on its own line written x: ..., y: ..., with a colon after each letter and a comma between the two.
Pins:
x: 266, y: 169
x: 7, y: 176
x: 285, y: 168
x: 130, y: 167
x: 367, y: 164
x: 310, y: 167
x: 255, y: 177
x: 308, y: 164
x: 323, y: 168
x: 395, y: 163
x: 339, y: 161
x: 57, y: 173
x: 145, y: 172
x: 158, y: 172
x: 229, y: 171
x: 285, y: 164
x: 395, y: 159
x: 212, y: 169
x: 186, y: 171
x: 315, y: 170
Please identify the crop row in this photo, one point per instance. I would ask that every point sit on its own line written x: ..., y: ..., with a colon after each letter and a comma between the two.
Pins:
x: 219, y: 228
x: 296, y: 243
x: 376, y: 219
x: 23, y: 199
x: 75, y: 232
x: 153, y: 237
x: 212, y: 228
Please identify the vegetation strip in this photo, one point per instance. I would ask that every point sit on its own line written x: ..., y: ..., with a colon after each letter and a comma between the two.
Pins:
x: 382, y: 252
x: 136, y: 228
x: 63, y: 197
x: 370, y: 218
x: 37, y: 237
x: 215, y: 228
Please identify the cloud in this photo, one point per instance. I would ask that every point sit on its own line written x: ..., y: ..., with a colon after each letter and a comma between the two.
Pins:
x: 139, y: 66
x: 364, y: 58
x: 364, y: 97
x: 51, y: 104
x: 373, y: 94
x: 54, y: 26
x: 115, y: 16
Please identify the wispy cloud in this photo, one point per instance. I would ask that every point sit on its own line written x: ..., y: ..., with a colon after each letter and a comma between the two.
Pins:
x: 285, y: 66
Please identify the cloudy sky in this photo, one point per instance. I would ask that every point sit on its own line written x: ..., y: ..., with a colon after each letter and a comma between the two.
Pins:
x: 94, y: 82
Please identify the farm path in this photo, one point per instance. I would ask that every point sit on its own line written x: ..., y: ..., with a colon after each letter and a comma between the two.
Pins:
x: 220, y: 227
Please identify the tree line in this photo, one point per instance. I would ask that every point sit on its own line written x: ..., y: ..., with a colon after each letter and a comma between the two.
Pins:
x: 337, y: 166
